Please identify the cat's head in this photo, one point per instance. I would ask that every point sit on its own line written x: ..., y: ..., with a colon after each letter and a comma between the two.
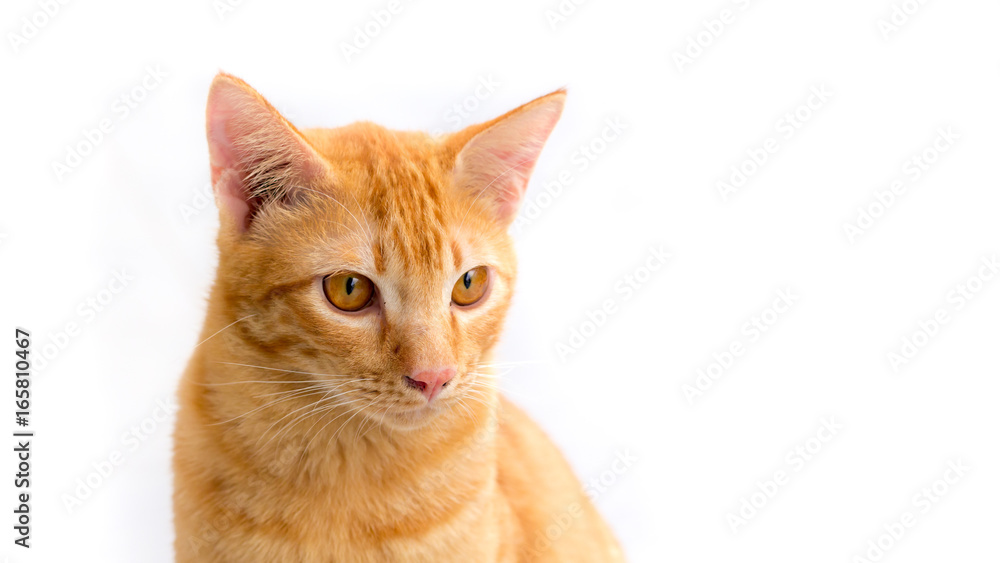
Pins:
x: 374, y: 262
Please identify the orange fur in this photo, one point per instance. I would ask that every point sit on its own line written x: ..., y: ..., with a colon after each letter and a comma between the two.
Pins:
x: 297, y: 438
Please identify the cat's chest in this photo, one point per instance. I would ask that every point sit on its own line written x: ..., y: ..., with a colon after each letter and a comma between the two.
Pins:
x: 388, y: 525
x: 349, y: 515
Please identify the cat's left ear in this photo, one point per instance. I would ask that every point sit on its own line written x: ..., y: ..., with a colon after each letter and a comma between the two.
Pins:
x: 494, y: 166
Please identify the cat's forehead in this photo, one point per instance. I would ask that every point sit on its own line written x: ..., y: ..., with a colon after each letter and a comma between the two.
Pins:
x: 400, y: 183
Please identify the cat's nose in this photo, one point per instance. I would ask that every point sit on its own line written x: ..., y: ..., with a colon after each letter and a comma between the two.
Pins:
x: 430, y: 382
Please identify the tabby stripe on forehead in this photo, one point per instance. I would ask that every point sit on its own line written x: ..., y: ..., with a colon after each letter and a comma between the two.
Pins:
x: 456, y: 253
x: 378, y: 255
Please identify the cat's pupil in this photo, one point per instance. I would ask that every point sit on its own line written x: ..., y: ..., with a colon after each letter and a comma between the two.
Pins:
x: 467, y: 280
x: 349, y: 284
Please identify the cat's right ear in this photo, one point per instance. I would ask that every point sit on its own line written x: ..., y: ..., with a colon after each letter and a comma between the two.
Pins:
x: 495, y: 164
x: 257, y: 156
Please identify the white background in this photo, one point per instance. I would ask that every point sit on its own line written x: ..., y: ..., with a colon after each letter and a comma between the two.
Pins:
x: 128, y: 206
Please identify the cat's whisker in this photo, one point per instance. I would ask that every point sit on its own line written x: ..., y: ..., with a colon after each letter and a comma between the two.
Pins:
x: 378, y: 424
x: 483, y: 401
x: 359, y: 411
x: 316, y: 409
x: 493, y: 374
x: 333, y: 407
x: 320, y: 384
x: 490, y: 375
x: 391, y: 404
x: 264, y: 406
x: 472, y: 397
x: 287, y: 370
x: 325, y: 393
x: 488, y: 394
x: 313, y: 405
x: 335, y: 376
x: 518, y: 363
x: 358, y: 238
x: 335, y: 200
x: 364, y: 422
x: 488, y: 385
x: 490, y: 398
x: 371, y: 236
x: 224, y: 328
x: 289, y: 395
x: 476, y: 392
x: 504, y: 369
x: 494, y: 386
x: 385, y: 412
x: 318, y: 416
x: 257, y: 444
x: 469, y: 410
x: 288, y: 391
x: 320, y: 432
x: 255, y: 381
x: 320, y: 410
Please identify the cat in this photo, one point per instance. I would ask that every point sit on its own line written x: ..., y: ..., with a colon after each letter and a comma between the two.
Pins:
x: 342, y: 404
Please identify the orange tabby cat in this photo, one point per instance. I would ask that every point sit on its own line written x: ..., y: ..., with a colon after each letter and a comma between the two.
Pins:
x: 341, y: 406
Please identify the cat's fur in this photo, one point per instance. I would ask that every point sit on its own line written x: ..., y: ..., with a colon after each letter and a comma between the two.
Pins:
x: 297, y: 438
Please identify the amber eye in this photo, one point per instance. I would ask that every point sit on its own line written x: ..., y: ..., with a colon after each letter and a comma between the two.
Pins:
x: 470, y: 287
x: 348, y: 292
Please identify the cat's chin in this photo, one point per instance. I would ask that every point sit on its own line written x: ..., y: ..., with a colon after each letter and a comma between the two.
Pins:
x: 415, y: 418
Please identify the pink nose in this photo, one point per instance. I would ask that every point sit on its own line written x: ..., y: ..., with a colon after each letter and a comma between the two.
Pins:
x: 430, y: 382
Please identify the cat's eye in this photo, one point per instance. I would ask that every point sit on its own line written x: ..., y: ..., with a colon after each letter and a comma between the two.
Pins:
x: 471, y: 286
x: 348, y: 292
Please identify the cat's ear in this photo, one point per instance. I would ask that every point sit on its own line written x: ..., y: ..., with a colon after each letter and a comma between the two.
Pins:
x: 257, y: 156
x: 495, y: 164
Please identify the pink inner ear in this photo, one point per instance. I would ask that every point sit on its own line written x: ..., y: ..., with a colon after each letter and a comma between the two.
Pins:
x: 220, y: 112
x: 497, y: 163
x: 230, y: 196
x: 510, y: 192
x: 255, y: 154
x: 227, y: 176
